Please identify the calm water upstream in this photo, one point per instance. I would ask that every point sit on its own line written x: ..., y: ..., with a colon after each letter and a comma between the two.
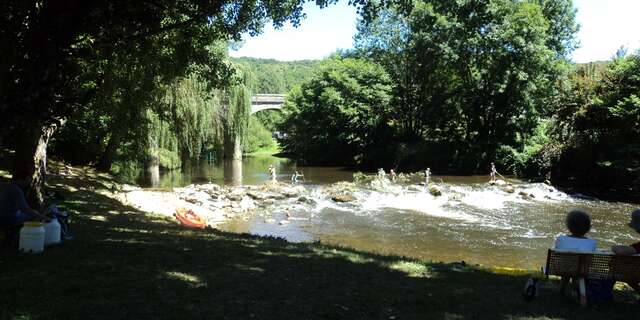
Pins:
x: 471, y: 221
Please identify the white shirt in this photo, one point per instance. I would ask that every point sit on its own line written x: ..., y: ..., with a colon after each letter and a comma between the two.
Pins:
x: 575, y: 244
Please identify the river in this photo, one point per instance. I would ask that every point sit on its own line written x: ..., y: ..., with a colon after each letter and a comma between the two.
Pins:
x: 471, y: 221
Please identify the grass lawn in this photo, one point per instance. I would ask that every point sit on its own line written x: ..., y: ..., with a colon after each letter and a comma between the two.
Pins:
x: 125, y: 264
x: 270, y: 151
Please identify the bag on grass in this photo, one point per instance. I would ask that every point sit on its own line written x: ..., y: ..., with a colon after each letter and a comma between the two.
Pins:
x: 63, y: 220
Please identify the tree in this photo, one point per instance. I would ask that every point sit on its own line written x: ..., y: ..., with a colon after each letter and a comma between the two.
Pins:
x: 51, y: 50
x: 472, y: 74
x: 597, y: 129
x: 334, y: 116
x: 272, y: 76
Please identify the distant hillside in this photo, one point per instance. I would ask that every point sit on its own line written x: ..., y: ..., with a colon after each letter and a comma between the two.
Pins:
x: 594, y: 70
x: 599, y: 63
x: 273, y: 76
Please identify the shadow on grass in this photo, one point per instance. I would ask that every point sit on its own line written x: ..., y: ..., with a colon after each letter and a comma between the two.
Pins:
x: 126, y: 264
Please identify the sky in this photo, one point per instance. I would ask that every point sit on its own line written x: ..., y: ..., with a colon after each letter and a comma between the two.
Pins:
x: 605, y: 26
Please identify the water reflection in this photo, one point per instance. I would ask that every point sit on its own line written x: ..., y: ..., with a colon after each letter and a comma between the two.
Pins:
x: 251, y: 170
x: 153, y: 176
x: 233, y: 172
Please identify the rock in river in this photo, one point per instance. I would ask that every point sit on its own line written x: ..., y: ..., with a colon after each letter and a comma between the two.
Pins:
x: 342, y: 198
x: 307, y: 200
x: 435, y: 191
x: 256, y: 195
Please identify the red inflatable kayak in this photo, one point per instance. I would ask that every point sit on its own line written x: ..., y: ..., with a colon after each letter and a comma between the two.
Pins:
x: 190, y: 219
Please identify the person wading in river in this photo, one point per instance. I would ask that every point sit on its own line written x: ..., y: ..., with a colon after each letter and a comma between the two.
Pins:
x: 493, y: 172
x: 392, y: 175
x: 427, y: 176
x: 296, y: 176
x: 272, y: 173
x: 631, y: 249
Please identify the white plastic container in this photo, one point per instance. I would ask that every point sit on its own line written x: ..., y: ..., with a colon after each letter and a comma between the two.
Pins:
x: 32, y: 237
x: 52, y: 232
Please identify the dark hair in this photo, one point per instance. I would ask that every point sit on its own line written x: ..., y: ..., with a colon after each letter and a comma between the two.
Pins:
x: 578, y: 223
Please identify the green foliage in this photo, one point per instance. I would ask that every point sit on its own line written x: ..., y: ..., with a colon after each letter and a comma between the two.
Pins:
x: 597, y: 129
x: 336, y: 115
x: 360, y: 177
x: 468, y: 79
x: 270, y: 119
x: 172, y: 126
x: 272, y: 76
x: 62, y: 58
x: 522, y: 161
x: 277, y: 77
x: 194, y: 114
x: 169, y: 159
x: 258, y: 137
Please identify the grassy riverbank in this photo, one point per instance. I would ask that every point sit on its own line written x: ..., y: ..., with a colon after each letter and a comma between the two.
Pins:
x: 268, y: 151
x: 127, y: 264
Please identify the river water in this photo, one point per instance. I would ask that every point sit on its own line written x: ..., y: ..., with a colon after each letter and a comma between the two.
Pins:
x: 471, y: 221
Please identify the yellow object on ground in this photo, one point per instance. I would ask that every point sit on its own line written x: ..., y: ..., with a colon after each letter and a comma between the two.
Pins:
x: 514, y: 271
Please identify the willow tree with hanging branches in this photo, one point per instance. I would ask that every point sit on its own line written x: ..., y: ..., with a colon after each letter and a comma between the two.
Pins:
x: 194, y: 115
x: 194, y: 109
x: 235, y: 112
x: 50, y: 69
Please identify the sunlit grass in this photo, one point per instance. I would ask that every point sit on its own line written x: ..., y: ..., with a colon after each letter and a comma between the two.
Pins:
x: 188, y: 278
x: 411, y: 268
x: 266, y: 151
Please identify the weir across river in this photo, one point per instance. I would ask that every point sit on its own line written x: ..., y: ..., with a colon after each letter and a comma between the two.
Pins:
x: 471, y: 220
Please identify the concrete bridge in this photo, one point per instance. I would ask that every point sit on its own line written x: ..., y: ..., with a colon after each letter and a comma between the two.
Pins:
x: 261, y: 102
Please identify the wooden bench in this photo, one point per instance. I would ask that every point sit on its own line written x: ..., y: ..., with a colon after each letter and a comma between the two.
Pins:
x: 593, y: 265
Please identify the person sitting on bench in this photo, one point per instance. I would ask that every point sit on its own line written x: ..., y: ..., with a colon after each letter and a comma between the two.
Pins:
x: 631, y: 249
x: 579, y: 224
x: 14, y: 209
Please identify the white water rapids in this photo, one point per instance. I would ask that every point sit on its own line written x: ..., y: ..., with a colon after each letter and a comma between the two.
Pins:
x: 476, y: 222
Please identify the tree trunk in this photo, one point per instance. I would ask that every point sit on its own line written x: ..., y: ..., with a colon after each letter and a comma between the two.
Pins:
x: 185, y: 160
x: 153, y: 172
x: 232, y: 147
x: 106, y: 160
x: 30, y: 161
x: 153, y: 161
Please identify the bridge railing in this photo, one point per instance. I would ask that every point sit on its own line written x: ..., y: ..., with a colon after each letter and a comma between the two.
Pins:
x: 268, y: 99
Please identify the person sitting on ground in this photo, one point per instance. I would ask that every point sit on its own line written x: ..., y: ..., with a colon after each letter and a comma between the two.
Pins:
x: 631, y: 249
x: 14, y: 209
x: 579, y: 224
